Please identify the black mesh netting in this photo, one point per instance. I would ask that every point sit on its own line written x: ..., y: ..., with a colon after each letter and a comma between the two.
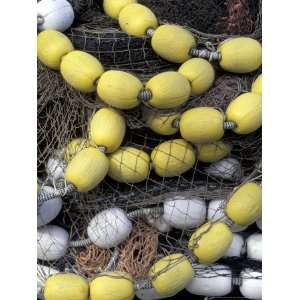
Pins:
x: 64, y: 114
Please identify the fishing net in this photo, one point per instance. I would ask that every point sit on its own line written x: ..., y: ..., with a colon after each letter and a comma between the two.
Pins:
x: 64, y: 114
x: 80, y: 6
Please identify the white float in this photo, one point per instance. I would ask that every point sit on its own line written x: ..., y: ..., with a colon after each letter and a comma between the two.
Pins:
x: 214, y: 280
x: 236, y: 248
x: 227, y: 168
x: 184, y: 213
x: 216, y: 212
x: 55, y: 169
x: 54, y: 14
x: 109, y: 228
x: 52, y: 242
x: 251, y: 284
x: 254, y: 246
x: 159, y: 223
x: 50, y: 208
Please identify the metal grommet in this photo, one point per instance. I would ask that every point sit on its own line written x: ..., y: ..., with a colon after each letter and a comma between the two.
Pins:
x: 40, y: 19
x: 144, y: 95
x: 150, y: 31
x: 229, y: 125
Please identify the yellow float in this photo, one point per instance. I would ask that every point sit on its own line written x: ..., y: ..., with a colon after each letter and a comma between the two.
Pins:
x: 168, y: 89
x: 135, y: 19
x: 171, y: 274
x: 245, y: 204
x: 129, y: 164
x: 202, y: 125
x: 210, y: 241
x: 113, y: 8
x: 107, y: 128
x: 66, y: 286
x: 173, y: 158
x: 81, y: 70
x: 76, y: 145
x: 257, y: 85
x: 52, y: 45
x: 246, y: 112
x: 240, y: 55
x: 161, y: 123
x: 200, y: 74
x: 112, y: 286
x: 87, y: 169
x: 173, y: 43
x: 119, y: 89
x: 213, y: 152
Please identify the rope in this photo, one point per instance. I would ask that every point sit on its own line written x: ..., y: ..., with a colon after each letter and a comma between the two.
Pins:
x: 43, y: 197
x: 80, y: 243
x: 204, y: 53
x: 113, y: 260
x: 229, y: 125
x: 140, y: 213
x: 142, y: 284
x: 144, y: 95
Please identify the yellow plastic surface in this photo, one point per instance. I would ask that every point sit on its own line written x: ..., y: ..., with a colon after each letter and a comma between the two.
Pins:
x: 129, y: 165
x: 119, y: 89
x: 112, y: 286
x: 169, y: 89
x: 257, y: 85
x: 173, y: 43
x: 87, y: 169
x: 113, y: 7
x: 135, y: 19
x: 107, y: 128
x: 162, y: 123
x: 200, y: 74
x: 210, y: 241
x: 173, y: 158
x: 240, y: 55
x: 213, y: 152
x: 246, y: 112
x: 81, y: 70
x: 66, y: 286
x: 244, y: 206
x: 202, y: 125
x: 52, y: 45
x: 171, y: 274
x: 75, y: 146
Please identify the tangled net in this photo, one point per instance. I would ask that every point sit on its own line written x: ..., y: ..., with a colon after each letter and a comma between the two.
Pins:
x: 64, y: 114
x: 136, y: 254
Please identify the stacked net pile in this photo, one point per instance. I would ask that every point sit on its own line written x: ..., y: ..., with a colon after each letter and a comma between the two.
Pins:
x: 64, y: 114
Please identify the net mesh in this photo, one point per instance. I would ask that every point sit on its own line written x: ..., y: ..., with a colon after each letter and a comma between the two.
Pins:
x: 64, y: 114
